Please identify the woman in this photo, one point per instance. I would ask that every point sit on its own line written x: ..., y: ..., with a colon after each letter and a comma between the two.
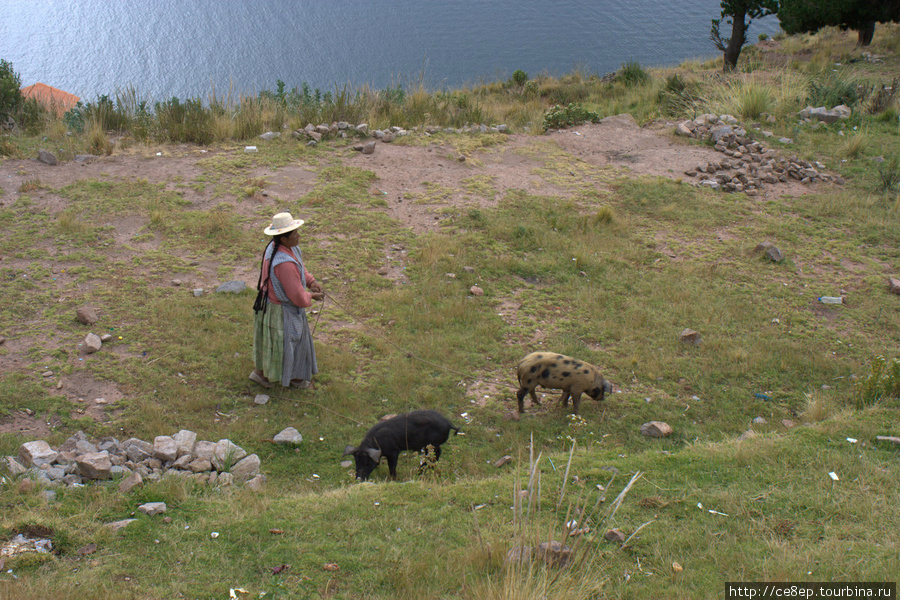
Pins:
x: 282, y: 346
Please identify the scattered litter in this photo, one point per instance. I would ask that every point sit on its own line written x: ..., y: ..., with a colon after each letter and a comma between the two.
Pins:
x: 250, y: 149
x: 159, y: 153
x: 21, y: 544
x: 214, y: 534
x: 715, y: 512
x: 834, y: 476
x: 700, y: 506
x: 852, y: 440
x: 233, y: 592
x: 576, y: 133
x: 331, y: 567
x: 762, y: 396
x: 280, y: 568
x: 478, y: 506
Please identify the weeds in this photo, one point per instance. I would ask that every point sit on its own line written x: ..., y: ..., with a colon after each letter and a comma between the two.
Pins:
x: 560, y: 117
x: 881, y: 384
x: 889, y: 175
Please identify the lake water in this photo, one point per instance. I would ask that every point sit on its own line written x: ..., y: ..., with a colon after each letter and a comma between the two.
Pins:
x: 187, y: 48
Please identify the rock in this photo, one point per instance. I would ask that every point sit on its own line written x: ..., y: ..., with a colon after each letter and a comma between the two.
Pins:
x: 720, y: 133
x: 788, y: 424
x: 257, y: 484
x: 234, y: 287
x: 225, y: 479
x: 15, y: 467
x: 786, y: 141
x: 519, y: 554
x: 36, y: 454
x: 246, y: 469
x: 503, y: 461
x: 656, y: 429
x: 130, y: 482
x: 555, y: 554
x: 106, y: 337
x: 227, y: 454
x: 92, y: 343
x: 383, y: 270
x: 689, y: 336
x: 614, y: 535
x: 165, y: 448
x: 288, y: 437
x: 85, y: 159
x: 199, y: 465
x: 182, y: 462
x: 153, y: 508
x: 95, y: 465
x: 184, y: 441
x: 387, y: 137
x: 749, y: 434
x: 270, y: 135
x: 770, y: 251
x: 137, y: 450
x: 894, y: 285
x: 469, y: 269
x: 476, y: 291
x: 47, y: 158
x: 85, y: 447
x: 362, y: 128
x: 368, y: 148
x: 260, y: 399
x: 685, y: 128
x: 86, y: 315
x: 760, y: 421
x: 204, y: 450
x: 117, y: 525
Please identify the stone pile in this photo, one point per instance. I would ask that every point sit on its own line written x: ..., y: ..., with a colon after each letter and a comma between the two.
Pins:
x: 343, y: 129
x: 747, y: 164
x: 78, y: 461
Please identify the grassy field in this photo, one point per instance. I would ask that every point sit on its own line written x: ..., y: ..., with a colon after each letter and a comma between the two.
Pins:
x: 580, y: 274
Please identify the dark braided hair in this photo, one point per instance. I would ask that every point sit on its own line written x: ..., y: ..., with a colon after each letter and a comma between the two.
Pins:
x: 262, y: 296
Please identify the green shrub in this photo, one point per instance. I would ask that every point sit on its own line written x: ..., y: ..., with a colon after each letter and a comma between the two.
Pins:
x: 184, y: 121
x: 10, y: 92
x: 883, y: 382
x: 32, y: 116
x: 74, y: 118
x: 108, y: 114
x: 519, y: 77
x: 831, y: 89
x: 559, y: 117
x: 632, y: 74
x: 889, y: 173
x: 679, y: 97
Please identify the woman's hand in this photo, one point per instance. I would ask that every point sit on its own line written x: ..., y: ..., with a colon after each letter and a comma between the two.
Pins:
x: 316, y: 287
x: 318, y: 295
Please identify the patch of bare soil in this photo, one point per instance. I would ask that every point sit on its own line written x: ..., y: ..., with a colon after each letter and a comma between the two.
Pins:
x: 418, y: 183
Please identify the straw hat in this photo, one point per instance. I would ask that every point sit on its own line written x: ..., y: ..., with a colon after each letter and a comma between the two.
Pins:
x: 282, y: 223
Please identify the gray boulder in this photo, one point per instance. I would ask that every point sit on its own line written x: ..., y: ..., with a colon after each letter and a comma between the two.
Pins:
x: 37, y: 453
x: 234, y: 287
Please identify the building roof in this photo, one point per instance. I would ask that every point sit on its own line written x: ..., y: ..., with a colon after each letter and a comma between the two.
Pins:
x: 52, y: 98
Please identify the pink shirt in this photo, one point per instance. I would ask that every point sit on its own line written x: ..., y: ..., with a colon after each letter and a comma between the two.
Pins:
x: 288, y: 274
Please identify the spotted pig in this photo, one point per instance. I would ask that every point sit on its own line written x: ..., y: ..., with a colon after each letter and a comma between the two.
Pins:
x: 559, y: 372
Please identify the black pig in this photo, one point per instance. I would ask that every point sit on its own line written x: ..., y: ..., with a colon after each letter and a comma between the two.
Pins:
x: 410, y: 431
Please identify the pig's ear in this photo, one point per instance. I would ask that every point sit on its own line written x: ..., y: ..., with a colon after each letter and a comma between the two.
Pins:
x: 349, y: 450
x: 375, y: 454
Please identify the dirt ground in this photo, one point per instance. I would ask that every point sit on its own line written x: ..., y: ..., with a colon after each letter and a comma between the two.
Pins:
x: 417, y: 181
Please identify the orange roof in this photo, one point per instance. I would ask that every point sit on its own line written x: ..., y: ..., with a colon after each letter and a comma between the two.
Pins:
x: 52, y: 98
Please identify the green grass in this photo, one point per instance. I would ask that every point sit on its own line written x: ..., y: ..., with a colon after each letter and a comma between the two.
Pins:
x: 607, y: 268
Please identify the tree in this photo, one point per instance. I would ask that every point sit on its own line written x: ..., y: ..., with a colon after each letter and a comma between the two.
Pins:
x: 808, y: 16
x: 10, y: 92
x: 738, y: 14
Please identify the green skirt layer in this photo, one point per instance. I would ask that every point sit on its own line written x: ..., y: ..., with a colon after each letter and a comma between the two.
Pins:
x: 268, y: 342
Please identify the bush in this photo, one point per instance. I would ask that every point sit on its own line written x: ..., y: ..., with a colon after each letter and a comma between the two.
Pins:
x: 10, y: 92
x: 633, y: 75
x: 519, y: 77
x: 883, y: 382
x: 184, y: 121
x: 679, y: 97
x: 830, y: 90
x: 559, y: 117
x: 889, y: 173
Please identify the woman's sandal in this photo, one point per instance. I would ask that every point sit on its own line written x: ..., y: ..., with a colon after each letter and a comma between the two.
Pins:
x: 254, y: 376
x: 301, y: 384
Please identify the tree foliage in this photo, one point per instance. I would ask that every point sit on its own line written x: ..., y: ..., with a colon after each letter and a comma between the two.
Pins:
x: 738, y: 14
x: 10, y: 92
x: 807, y: 16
